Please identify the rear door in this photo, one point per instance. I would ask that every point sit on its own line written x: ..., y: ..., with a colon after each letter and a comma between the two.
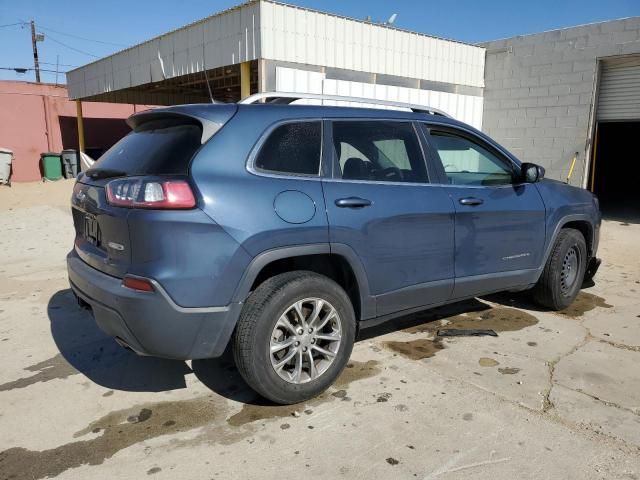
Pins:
x: 499, y: 221
x: 381, y: 205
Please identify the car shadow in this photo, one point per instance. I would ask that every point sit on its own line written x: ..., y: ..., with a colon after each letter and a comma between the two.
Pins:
x: 523, y: 300
x: 422, y: 317
x: 221, y: 376
x: 98, y: 357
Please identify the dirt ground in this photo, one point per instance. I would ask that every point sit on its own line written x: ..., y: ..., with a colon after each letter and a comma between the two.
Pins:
x: 555, y: 395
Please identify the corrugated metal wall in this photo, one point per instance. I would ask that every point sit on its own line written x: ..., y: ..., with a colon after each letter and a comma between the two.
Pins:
x: 294, y: 34
x: 282, y: 33
x: 466, y: 108
x: 619, y: 92
x: 227, y: 38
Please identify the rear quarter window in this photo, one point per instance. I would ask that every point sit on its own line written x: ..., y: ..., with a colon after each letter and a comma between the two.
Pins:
x: 292, y: 149
x: 157, y: 147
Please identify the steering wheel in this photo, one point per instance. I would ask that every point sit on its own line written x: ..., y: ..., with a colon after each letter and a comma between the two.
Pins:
x: 390, y: 174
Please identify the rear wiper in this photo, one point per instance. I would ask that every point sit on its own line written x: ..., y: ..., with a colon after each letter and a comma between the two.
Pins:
x: 98, y: 173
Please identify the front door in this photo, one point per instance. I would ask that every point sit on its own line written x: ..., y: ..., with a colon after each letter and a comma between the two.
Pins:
x: 381, y: 205
x: 500, y: 221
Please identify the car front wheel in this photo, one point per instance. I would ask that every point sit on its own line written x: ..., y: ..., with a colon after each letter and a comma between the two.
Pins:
x: 564, y: 271
x: 294, y: 336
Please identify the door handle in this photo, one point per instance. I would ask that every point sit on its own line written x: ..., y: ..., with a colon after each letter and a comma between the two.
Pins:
x: 352, y: 202
x: 472, y: 201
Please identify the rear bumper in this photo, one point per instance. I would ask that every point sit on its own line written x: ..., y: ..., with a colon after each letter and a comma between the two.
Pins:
x: 151, y: 323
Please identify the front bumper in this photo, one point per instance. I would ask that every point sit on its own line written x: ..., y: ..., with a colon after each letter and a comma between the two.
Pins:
x: 151, y: 323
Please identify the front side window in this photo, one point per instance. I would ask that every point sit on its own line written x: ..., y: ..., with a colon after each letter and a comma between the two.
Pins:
x: 466, y: 162
x: 380, y: 151
x: 292, y: 149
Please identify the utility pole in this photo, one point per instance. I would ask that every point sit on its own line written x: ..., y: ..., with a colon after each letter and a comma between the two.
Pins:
x: 34, y: 44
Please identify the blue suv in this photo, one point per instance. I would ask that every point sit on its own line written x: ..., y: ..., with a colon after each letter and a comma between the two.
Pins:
x: 281, y: 230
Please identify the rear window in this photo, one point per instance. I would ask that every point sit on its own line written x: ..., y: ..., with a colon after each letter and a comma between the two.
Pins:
x: 157, y: 147
x: 292, y: 148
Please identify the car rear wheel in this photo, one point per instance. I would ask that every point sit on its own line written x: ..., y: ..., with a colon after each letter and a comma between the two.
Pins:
x: 564, y: 271
x: 294, y: 336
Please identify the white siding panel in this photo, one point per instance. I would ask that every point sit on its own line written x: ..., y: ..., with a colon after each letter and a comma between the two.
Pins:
x: 466, y: 108
x: 195, y: 48
x: 231, y: 37
x: 298, y: 81
x: 121, y: 70
x: 285, y: 33
x: 340, y: 42
x: 140, y: 71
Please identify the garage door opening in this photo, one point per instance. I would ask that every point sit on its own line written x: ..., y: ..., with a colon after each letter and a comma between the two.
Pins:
x: 615, y: 169
x: 616, y: 172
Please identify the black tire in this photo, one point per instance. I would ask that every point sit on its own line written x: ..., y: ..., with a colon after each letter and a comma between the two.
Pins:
x: 561, y: 280
x: 253, y: 334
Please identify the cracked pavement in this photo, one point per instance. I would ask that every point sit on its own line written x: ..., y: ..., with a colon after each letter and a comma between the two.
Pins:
x: 555, y: 395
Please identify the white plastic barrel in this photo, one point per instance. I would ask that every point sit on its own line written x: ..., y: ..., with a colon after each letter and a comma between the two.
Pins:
x: 6, y: 156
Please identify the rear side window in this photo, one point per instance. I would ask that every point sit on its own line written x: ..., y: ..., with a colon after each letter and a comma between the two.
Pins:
x: 292, y: 149
x: 379, y: 151
x: 158, y: 147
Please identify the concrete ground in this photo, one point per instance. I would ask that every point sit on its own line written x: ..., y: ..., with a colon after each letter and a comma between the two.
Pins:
x: 555, y: 395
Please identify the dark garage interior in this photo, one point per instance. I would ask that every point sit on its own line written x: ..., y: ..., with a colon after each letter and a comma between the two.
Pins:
x: 100, y: 133
x: 616, y: 173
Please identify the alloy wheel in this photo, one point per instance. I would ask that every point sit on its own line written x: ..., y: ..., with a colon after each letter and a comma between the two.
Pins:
x: 305, y: 340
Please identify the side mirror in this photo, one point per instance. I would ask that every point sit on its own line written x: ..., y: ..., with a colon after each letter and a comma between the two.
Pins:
x: 531, y: 173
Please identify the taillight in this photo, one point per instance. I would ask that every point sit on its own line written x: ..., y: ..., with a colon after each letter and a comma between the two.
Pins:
x: 150, y: 193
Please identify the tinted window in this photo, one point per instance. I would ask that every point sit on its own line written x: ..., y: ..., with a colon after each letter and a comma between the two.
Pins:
x: 292, y: 148
x: 157, y: 147
x: 378, y: 151
x: 466, y: 162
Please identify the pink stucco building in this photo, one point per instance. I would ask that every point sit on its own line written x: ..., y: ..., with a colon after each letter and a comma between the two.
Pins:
x: 38, y: 117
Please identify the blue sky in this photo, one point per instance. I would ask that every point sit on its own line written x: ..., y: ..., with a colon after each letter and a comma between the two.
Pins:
x: 126, y: 22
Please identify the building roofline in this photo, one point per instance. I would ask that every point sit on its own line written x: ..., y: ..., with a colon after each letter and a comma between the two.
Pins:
x: 481, y: 44
x: 390, y: 27
x: 202, y: 20
x: 251, y: 2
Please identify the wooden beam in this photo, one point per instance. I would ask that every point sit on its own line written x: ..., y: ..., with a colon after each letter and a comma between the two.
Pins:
x: 80, y: 125
x: 245, y: 79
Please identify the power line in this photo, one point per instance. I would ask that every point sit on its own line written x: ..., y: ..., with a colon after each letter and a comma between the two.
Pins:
x: 59, y: 64
x: 81, y: 38
x: 58, y: 32
x: 12, y: 24
x: 24, y: 70
x: 71, y: 48
x: 40, y: 27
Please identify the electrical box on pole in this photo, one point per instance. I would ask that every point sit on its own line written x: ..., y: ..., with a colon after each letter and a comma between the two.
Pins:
x: 35, y: 38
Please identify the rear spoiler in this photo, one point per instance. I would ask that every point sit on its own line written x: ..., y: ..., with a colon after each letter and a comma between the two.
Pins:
x: 210, y: 117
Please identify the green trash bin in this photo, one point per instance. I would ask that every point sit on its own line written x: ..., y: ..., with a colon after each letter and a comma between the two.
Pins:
x: 51, y: 166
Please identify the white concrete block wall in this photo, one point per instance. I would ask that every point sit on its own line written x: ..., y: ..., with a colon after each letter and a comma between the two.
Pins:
x: 539, y: 91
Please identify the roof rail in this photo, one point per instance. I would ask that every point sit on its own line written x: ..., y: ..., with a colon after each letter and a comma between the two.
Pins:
x: 286, y: 98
